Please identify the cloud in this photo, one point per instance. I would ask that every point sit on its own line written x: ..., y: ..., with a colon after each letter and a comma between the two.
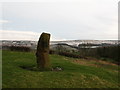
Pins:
x: 42, y: 0
x: 22, y: 35
x: 4, y: 21
x: 86, y: 19
x: 18, y: 35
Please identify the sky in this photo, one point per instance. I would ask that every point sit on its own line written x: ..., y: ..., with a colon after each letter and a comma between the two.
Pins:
x: 63, y: 19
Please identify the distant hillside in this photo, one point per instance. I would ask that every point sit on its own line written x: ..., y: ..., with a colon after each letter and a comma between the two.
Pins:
x: 72, y: 44
x: 63, y: 46
x: 77, y: 42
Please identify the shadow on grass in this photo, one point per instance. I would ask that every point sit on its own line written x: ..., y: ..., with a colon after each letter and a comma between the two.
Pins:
x: 31, y: 68
x: 34, y: 68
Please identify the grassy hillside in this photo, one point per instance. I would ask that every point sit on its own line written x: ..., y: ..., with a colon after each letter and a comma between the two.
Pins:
x: 76, y: 73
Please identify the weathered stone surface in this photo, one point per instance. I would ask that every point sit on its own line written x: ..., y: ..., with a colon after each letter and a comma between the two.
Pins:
x: 42, y: 53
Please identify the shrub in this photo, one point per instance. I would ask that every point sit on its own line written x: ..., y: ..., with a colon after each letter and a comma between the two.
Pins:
x: 111, y: 52
x: 68, y: 54
x: 106, y: 52
x: 52, y: 52
x: 20, y: 48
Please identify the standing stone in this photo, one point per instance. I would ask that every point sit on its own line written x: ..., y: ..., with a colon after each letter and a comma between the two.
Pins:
x: 42, y: 53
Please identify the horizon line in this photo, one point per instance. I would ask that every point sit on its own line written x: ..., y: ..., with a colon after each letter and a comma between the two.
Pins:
x: 63, y: 40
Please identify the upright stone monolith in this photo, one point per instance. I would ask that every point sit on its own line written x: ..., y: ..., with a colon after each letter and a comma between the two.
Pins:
x: 42, y: 52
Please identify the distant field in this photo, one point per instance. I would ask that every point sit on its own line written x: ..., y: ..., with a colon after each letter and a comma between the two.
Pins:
x: 77, y: 73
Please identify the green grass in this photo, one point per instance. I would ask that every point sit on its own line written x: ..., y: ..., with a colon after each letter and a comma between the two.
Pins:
x: 73, y: 75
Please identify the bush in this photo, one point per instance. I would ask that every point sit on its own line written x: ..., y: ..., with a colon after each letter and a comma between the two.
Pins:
x: 111, y: 52
x: 20, y: 48
x: 52, y: 52
x: 68, y: 54
x: 106, y: 52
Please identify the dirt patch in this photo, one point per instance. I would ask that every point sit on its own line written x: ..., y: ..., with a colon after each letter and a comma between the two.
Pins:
x: 84, y: 62
x: 93, y: 62
x: 106, y: 63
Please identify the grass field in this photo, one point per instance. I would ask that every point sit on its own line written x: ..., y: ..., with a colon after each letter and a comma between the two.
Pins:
x: 77, y: 73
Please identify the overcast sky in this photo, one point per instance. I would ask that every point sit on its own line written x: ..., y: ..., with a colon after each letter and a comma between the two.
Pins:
x: 64, y: 20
